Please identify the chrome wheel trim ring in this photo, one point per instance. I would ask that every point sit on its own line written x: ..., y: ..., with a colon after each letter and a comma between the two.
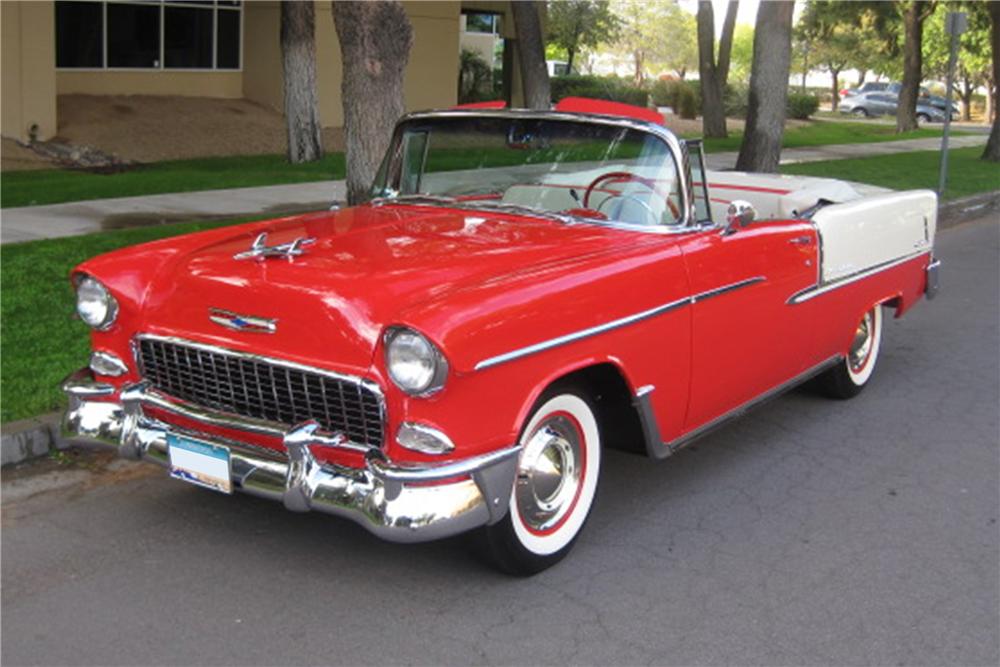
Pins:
x: 863, y: 343
x: 550, y: 473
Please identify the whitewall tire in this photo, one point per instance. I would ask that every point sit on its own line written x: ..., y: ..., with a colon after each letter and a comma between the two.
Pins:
x: 558, y: 469
x: 849, y: 377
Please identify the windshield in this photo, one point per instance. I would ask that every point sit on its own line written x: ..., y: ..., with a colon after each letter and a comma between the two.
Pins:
x: 550, y: 166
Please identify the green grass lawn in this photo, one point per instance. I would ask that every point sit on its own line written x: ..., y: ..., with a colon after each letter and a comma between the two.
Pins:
x: 827, y: 132
x: 967, y: 174
x: 41, y: 339
x: 54, y: 186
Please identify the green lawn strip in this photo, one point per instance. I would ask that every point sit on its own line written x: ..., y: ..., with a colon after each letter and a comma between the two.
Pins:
x: 826, y: 133
x: 55, y: 186
x: 41, y: 339
x: 967, y: 174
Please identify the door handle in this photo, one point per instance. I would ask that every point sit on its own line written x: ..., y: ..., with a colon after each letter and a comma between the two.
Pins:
x: 801, y: 240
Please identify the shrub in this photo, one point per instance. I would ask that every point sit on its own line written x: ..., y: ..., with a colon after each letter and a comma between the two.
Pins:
x: 687, y: 103
x: 736, y: 99
x: 684, y: 97
x: 475, y: 78
x: 598, y: 87
x: 801, y: 106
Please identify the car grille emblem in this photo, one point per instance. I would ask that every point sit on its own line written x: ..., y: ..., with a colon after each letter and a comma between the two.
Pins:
x: 260, y: 250
x: 238, y: 322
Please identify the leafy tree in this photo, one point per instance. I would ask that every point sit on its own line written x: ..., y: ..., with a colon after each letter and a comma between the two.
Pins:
x: 534, y: 73
x: 772, y: 47
x: 656, y: 35
x: 713, y: 72
x: 992, y: 151
x: 475, y: 78
x: 914, y: 12
x: 741, y: 56
x: 575, y: 25
x: 375, y: 40
x: 298, y: 57
x: 974, y: 62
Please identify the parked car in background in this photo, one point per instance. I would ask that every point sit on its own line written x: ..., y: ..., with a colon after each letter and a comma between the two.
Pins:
x: 867, y: 87
x: 882, y: 104
x: 524, y: 289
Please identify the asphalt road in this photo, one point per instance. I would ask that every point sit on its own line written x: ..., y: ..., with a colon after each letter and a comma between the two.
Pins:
x: 811, y: 532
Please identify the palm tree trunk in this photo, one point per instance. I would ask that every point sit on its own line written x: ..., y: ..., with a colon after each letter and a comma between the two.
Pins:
x: 992, y: 151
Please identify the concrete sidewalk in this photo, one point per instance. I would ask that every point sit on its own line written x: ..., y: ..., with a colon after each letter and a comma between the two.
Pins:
x: 76, y: 218
x: 29, y: 223
x: 843, y: 151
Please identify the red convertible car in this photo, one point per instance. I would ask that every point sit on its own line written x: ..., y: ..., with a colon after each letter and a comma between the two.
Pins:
x: 522, y: 290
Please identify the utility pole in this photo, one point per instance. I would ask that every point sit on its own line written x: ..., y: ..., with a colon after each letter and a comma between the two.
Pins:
x: 955, y: 24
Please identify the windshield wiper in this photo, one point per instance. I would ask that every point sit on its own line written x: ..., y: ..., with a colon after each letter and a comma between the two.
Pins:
x: 524, y: 209
x: 413, y: 199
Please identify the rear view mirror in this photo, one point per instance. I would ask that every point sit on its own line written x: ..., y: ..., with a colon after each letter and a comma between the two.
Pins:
x: 739, y: 214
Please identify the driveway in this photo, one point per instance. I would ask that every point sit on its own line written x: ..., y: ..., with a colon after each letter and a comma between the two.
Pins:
x: 811, y: 532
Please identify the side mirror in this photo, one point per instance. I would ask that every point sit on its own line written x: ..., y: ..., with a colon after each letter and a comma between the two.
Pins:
x: 739, y: 214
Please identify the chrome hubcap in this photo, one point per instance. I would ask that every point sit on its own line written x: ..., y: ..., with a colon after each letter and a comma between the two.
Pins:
x: 550, y: 473
x: 861, y: 346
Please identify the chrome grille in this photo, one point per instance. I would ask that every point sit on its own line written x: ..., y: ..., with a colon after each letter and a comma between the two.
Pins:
x: 263, y: 388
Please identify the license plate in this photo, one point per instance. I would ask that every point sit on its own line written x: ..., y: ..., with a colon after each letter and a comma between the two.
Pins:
x: 199, y: 462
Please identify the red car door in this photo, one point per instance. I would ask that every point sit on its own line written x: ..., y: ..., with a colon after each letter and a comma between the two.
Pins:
x: 746, y: 339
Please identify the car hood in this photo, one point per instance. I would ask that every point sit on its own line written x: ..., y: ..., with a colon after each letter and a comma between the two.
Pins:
x: 367, y: 267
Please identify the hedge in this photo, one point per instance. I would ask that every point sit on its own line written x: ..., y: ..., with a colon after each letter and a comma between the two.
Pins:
x: 598, y: 87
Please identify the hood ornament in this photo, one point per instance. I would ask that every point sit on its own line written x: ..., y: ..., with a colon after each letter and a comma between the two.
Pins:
x: 247, y: 323
x: 260, y: 250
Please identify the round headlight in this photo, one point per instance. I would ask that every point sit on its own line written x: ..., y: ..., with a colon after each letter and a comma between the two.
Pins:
x: 415, y: 365
x: 94, y: 303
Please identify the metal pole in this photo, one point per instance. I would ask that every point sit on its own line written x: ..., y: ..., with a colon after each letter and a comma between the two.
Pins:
x: 955, y: 22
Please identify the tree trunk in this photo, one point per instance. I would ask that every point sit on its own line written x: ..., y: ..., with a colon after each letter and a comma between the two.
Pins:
x: 534, y: 73
x: 772, y: 51
x: 637, y: 73
x: 906, y: 112
x: 992, y: 151
x: 968, y: 88
x: 298, y: 54
x: 713, y: 113
x: 569, y: 61
x: 713, y: 74
x: 375, y: 40
x: 835, y: 87
x: 861, y: 77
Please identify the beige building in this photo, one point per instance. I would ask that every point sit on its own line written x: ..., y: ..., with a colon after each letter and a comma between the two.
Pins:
x: 214, y: 48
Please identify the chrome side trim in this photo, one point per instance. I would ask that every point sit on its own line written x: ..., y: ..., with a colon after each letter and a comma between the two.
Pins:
x: 818, y: 290
x: 655, y: 448
x: 614, y: 324
x: 718, y: 291
x: 689, y: 437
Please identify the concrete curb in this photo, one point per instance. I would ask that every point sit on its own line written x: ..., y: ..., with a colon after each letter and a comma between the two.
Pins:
x: 957, y: 211
x: 30, y: 438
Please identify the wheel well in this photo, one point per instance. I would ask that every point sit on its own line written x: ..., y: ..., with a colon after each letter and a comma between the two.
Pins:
x: 612, y: 399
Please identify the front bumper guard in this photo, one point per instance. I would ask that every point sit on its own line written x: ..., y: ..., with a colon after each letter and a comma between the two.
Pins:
x: 400, y: 503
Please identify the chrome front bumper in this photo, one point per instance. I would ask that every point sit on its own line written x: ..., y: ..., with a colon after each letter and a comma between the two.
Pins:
x: 401, y: 503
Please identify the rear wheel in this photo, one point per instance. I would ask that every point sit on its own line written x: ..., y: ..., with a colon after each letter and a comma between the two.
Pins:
x: 558, y: 469
x: 923, y: 118
x: 849, y: 377
x: 860, y: 113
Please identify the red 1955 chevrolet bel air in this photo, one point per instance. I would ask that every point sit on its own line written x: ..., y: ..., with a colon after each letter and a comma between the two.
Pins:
x: 523, y: 289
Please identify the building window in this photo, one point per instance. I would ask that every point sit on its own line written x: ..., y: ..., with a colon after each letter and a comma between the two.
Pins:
x: 149, y: 34
x: 482, y: 22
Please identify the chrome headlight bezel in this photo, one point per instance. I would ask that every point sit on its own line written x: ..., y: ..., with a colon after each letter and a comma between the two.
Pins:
x: 90, y: 286
x: 433, y: 379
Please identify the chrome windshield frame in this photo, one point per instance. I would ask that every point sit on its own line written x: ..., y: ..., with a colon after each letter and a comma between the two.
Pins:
x: 688, y: 222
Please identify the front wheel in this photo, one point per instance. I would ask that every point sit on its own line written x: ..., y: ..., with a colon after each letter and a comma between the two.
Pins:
x: 557, y: 473
x: 923, y: 119
x: 860, y: 113
x: 849, y: 377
